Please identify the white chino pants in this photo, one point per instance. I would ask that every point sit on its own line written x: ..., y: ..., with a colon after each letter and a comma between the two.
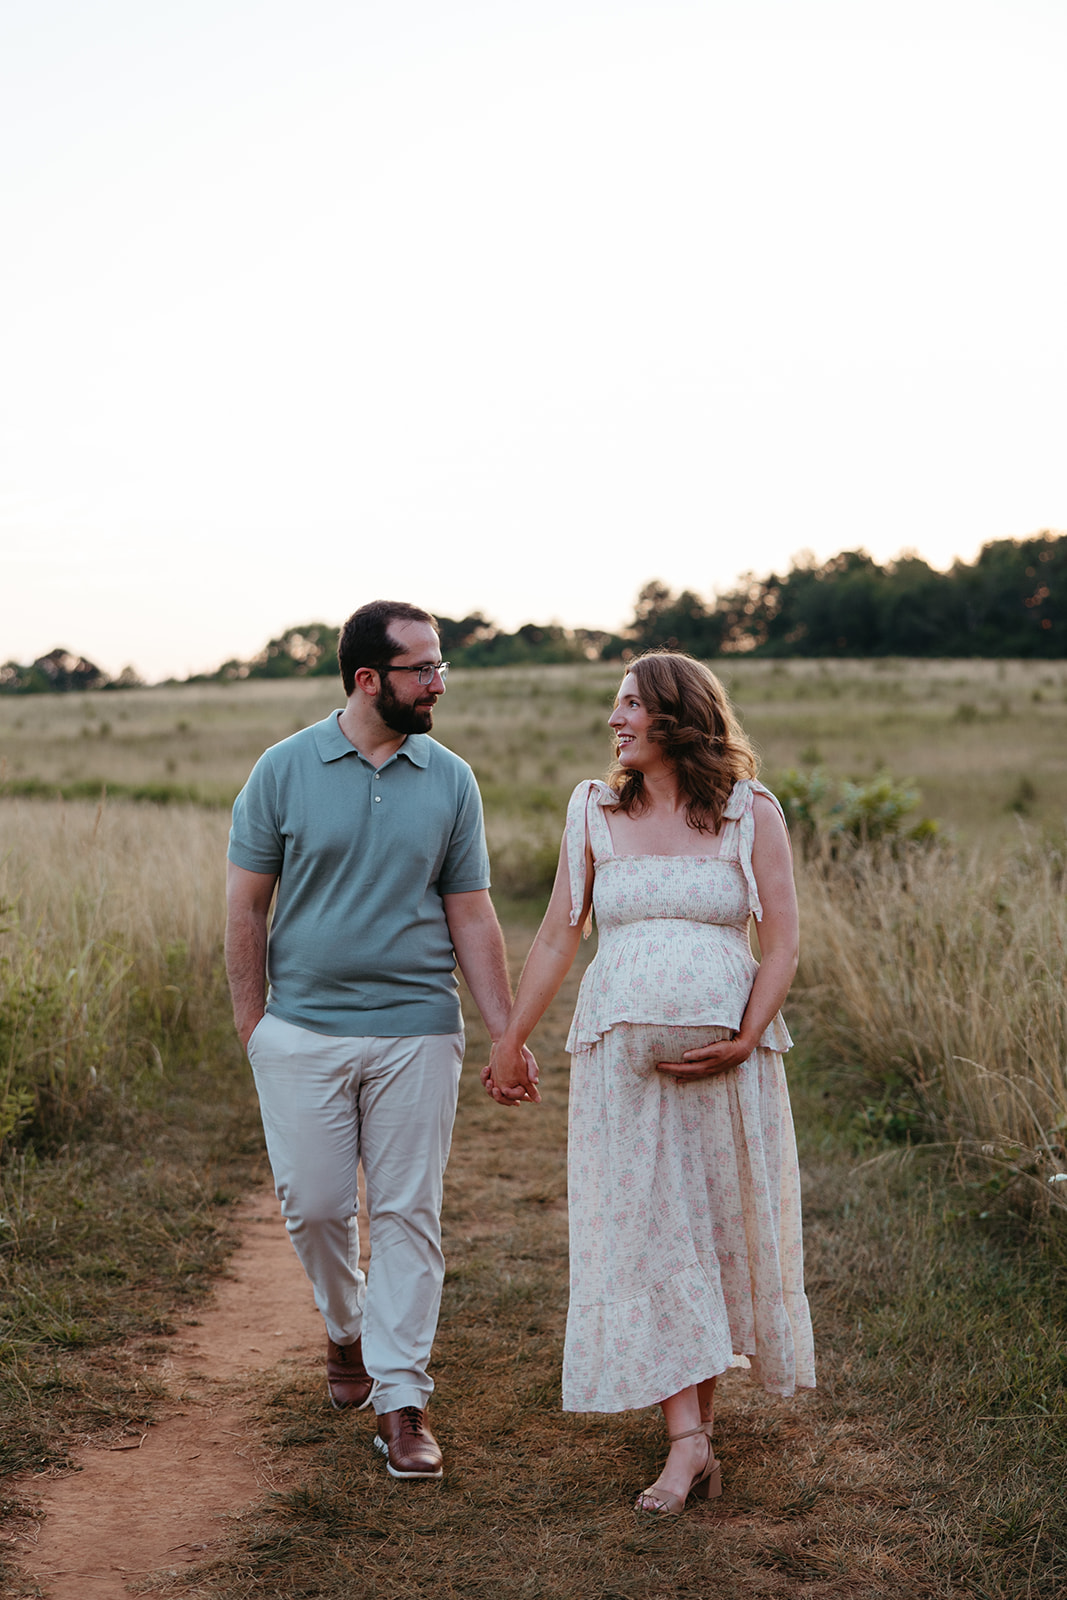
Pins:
x: 327, y: 1104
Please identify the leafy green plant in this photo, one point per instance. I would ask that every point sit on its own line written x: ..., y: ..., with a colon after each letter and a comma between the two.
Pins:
x: 823, y: 811
x: 866, y: 812
x: 803, y: 795
x: 16, y: 1109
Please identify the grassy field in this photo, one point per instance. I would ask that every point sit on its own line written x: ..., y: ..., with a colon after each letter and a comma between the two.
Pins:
x: 930, y: 1014
x: 972, y: 1051
x: 984, y: 741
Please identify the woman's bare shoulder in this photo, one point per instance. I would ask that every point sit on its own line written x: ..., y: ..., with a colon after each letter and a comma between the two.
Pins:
x: 767, y: 812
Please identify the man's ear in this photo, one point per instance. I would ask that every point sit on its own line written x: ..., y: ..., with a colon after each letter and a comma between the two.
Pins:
x: 368, y: 681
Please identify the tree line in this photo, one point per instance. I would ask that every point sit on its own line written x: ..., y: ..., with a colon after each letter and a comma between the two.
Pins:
x: 1008, y: 602
x: 60, y: 672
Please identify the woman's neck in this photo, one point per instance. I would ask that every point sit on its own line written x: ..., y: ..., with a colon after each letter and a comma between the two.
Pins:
x: 662, y: 793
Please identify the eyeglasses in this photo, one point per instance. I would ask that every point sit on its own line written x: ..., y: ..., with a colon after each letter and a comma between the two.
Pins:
x: 426, y: 674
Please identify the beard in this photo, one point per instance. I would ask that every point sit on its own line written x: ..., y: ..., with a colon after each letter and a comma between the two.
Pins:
x: 401, y: 717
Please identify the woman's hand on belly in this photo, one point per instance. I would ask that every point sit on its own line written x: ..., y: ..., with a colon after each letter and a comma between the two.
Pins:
x: 708, y: 1060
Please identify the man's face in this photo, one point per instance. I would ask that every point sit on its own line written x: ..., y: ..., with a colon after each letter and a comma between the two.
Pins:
x: 404, y: 704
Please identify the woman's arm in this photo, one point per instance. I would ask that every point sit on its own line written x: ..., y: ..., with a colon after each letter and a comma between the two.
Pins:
x: 508, y: 1077
x: 779, y: 939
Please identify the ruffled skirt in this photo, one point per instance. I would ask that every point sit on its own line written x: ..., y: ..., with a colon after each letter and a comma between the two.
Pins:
x: 685, y: 1237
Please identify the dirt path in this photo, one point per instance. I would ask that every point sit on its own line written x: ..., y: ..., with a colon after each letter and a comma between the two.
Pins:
x: 161, y: 1500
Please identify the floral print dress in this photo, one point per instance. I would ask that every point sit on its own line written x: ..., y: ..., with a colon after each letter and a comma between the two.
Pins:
x: 685, y: 1239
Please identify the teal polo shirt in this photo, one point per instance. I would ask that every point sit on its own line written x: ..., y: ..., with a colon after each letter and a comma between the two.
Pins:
x: 359, y: 943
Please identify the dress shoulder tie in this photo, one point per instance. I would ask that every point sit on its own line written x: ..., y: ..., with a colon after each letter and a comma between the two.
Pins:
x: 580, y: 826
x: 739, y: 810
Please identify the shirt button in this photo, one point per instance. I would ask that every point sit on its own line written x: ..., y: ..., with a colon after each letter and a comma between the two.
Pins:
x: 377, y: 799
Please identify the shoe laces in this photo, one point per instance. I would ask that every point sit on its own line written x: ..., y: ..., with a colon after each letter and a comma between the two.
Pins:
x: 410, y: 1419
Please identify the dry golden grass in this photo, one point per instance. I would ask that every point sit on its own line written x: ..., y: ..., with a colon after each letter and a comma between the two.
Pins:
x: 943, y: 974
x: 141, y: 877
x: 201, y: 737
x: 985, y: 741
x: 111, y: 926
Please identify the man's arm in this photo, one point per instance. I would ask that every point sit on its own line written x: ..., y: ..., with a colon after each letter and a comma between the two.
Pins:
x: 479, y: 946
x: 248, y: 898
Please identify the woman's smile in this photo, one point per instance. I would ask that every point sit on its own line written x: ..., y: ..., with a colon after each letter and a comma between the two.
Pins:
x: 629, y: 722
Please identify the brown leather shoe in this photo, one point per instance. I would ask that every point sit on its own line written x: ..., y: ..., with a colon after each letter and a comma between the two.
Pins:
x: 347, y: 1380
x: 409, y: 1448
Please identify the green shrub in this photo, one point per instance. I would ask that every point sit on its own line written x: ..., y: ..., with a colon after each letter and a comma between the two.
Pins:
x: 824, y: 812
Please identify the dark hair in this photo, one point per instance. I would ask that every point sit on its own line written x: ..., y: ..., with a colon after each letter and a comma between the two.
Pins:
x: 365, y: 639
x: 705, y: 744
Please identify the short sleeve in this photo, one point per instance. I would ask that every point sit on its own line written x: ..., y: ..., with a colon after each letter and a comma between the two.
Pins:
x: 256, y: 841
x: 466, y: 865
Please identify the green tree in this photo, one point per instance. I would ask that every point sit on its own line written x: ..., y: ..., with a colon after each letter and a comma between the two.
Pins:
x: 309, y: 649
x: 663, y: 620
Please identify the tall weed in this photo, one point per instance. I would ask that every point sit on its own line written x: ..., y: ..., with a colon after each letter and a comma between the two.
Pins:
x: 941, y: 977
x: 109, y: 944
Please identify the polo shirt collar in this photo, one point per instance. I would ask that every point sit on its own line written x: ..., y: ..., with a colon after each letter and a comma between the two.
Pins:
x: 332, y: 744
x: 417, y: 749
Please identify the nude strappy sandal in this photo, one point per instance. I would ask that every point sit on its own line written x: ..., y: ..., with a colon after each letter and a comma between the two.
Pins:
x: 707, y: 1485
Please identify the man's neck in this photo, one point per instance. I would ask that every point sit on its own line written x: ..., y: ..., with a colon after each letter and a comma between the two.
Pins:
x: 367, y: 733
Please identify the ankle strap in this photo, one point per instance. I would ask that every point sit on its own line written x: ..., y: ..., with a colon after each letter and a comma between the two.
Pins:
x: 705, y: 1427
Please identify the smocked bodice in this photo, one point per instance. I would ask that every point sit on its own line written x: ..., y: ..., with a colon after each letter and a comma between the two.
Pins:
x: 674, y: 943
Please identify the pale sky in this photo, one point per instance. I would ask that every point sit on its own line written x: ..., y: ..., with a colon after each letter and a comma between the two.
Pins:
x: 512, y: 305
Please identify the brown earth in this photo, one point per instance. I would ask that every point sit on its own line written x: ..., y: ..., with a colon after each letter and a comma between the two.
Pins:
x: 160, y: 1500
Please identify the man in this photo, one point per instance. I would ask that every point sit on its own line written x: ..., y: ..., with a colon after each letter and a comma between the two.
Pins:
x: 372, y: 834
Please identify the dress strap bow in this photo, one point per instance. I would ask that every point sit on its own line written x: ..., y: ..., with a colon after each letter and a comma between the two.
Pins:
x: 739, y: 810
x: 578, y: 828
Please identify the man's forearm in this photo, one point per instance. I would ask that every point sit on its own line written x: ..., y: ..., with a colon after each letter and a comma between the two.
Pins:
x: 246, y: 969
x: 479, y: 946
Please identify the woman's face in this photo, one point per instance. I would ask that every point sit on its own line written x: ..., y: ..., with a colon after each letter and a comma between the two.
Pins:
x: 630, y: 722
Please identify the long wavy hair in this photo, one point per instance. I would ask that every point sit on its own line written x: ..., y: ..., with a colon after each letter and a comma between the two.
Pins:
x: 703, y: 741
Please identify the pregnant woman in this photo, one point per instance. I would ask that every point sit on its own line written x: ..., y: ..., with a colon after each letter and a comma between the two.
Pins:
x: 684, y: 1193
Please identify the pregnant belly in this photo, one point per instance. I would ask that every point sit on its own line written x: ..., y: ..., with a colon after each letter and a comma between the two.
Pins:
x: 639, y: 1046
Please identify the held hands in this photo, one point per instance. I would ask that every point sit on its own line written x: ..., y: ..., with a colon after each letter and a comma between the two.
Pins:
x: 709, y: 1060
x: 510, y: 1075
